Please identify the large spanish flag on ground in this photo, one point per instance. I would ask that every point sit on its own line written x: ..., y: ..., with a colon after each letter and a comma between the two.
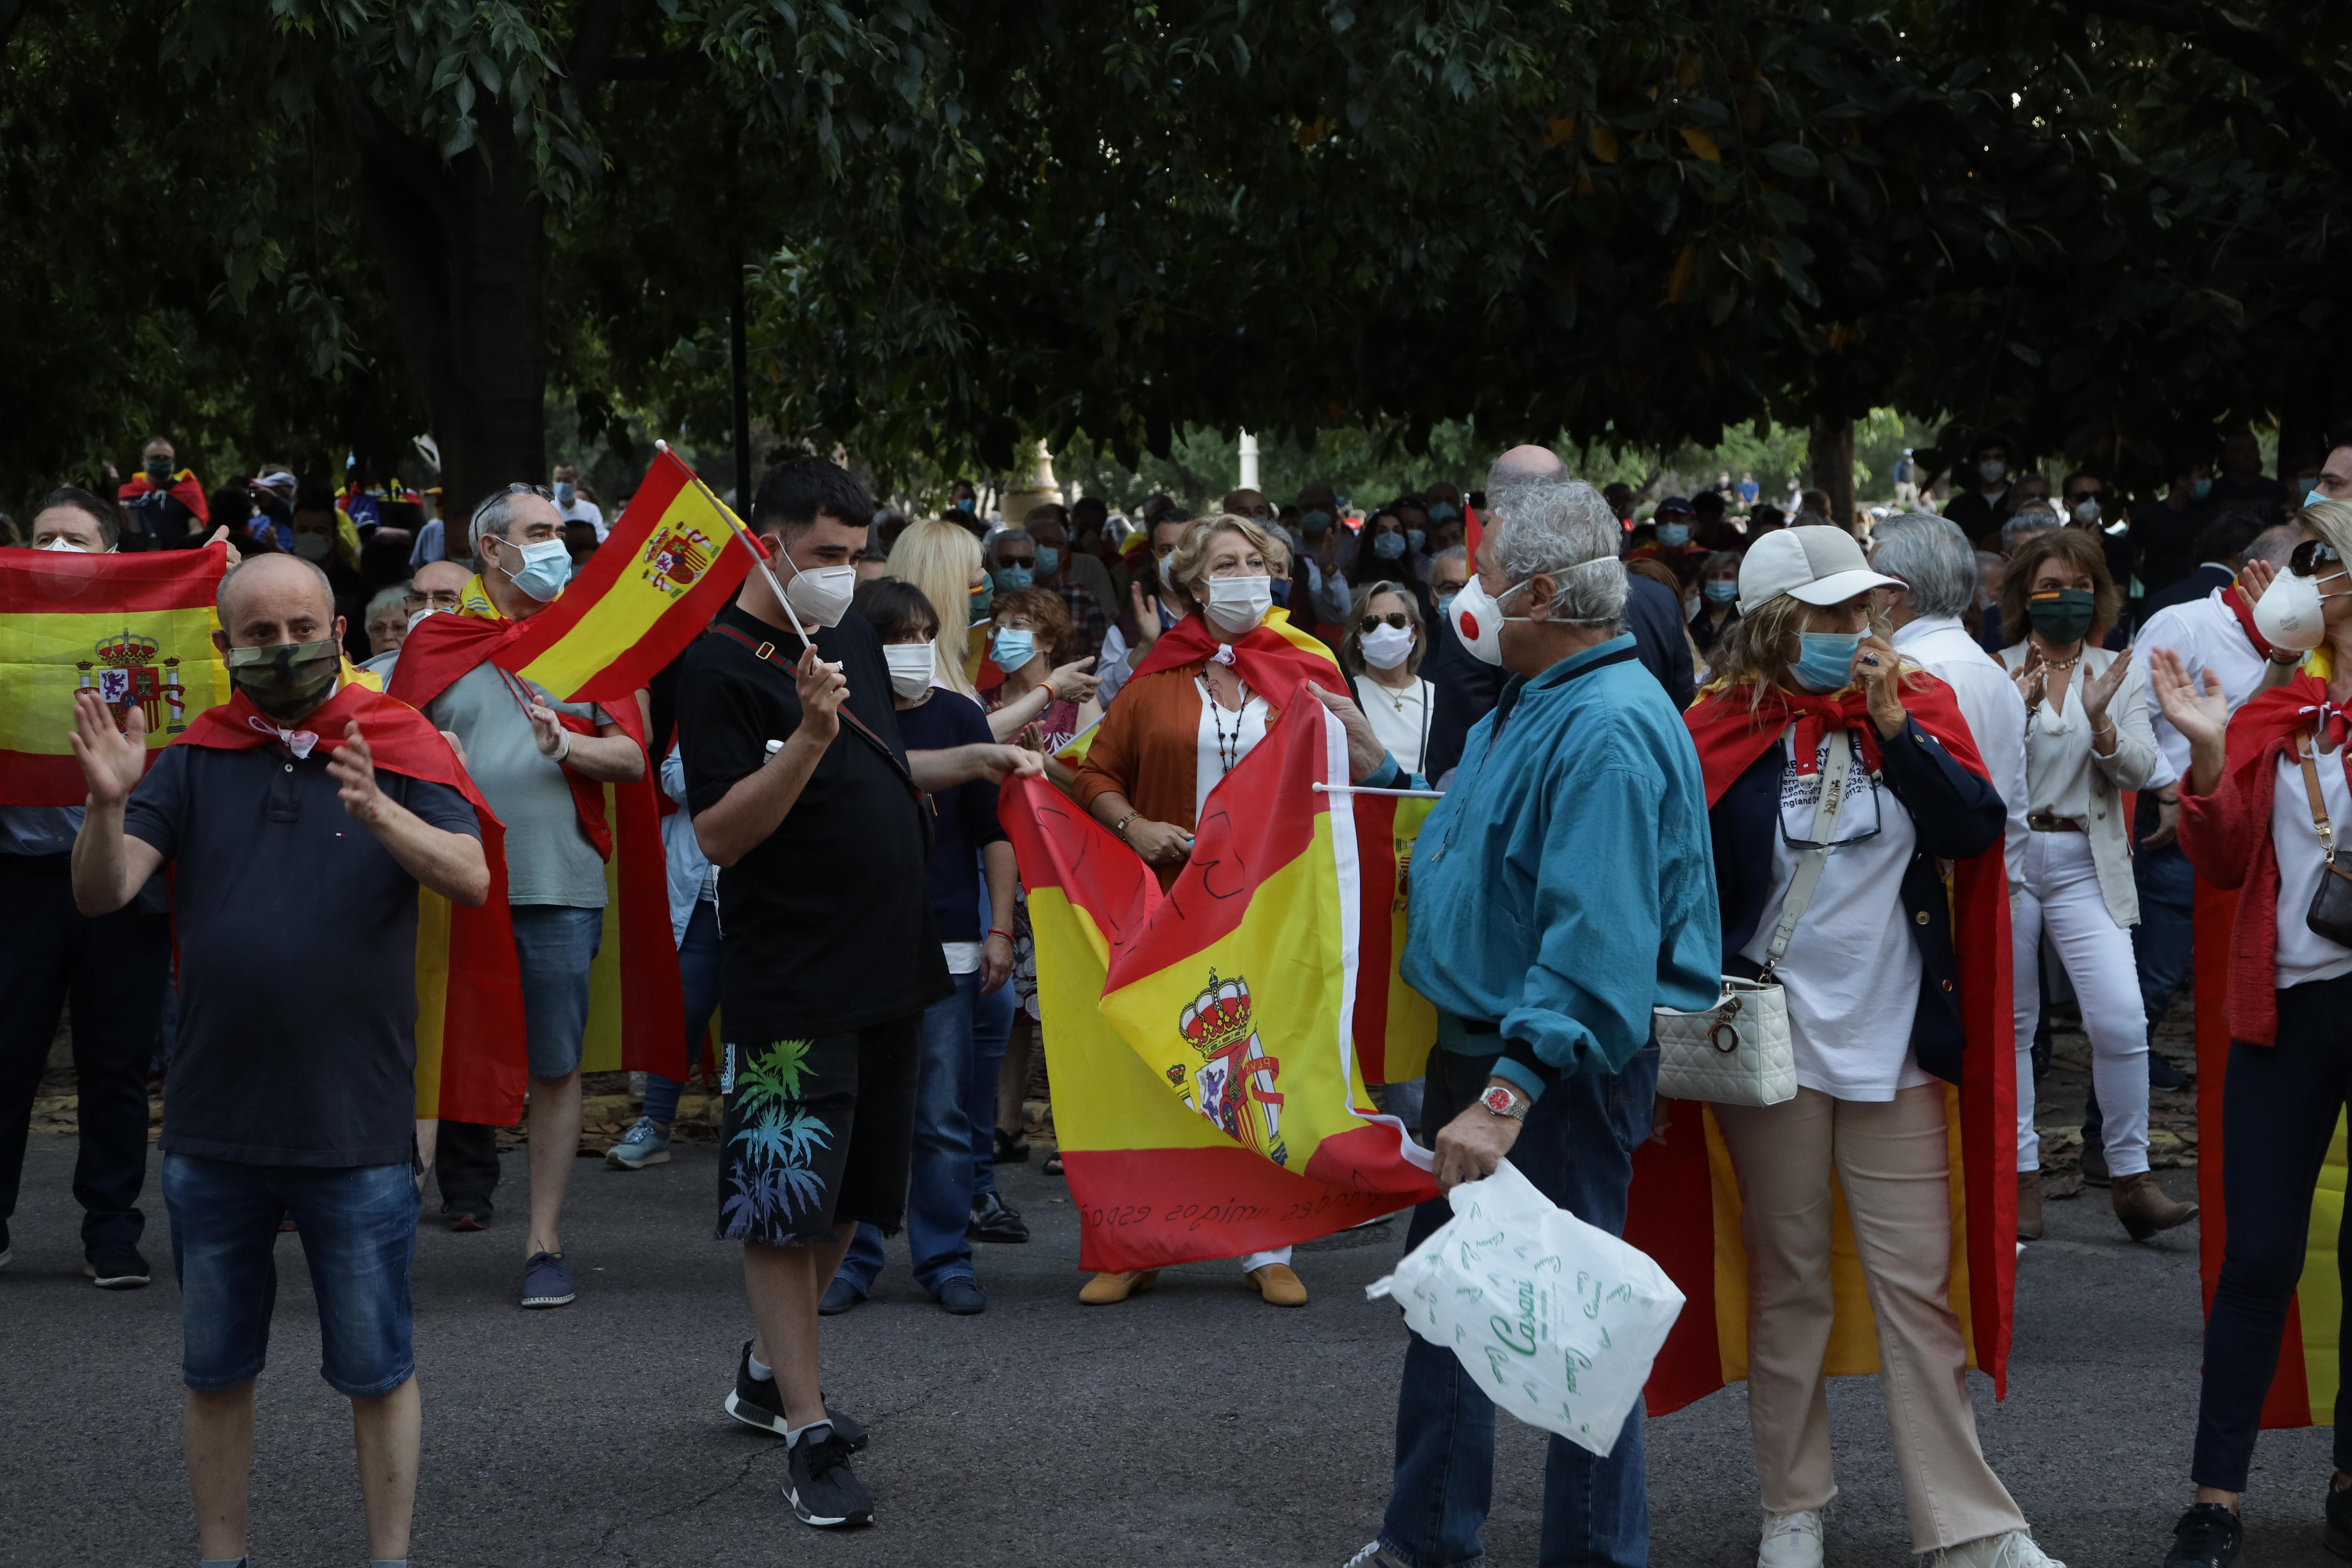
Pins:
x: 137, y: 630
x: 1207, y: 1090
x: 1683, y: 1209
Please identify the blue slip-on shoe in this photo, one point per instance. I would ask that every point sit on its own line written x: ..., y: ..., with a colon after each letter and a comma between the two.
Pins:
x: 546, y: 1282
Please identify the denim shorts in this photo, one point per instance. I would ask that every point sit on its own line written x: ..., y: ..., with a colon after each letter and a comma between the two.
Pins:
x: 556, y: 944
x: 358, y: 1227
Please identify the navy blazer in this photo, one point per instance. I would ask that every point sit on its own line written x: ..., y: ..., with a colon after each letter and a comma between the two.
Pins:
x: 1957, y: 817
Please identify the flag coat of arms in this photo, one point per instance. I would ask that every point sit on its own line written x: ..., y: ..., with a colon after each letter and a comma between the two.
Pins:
x: 1208, y: 1091
x: 136, y: 629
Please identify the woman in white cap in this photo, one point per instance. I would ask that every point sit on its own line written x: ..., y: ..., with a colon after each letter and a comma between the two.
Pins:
x: 1809, y: 689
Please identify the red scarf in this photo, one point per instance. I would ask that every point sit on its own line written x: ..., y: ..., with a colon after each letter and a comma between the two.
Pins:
x: 482, y: 1029
x: 1730, y: 736
x: 1269, y: 661
x: 2271, y: 717
x: 2245, y: 614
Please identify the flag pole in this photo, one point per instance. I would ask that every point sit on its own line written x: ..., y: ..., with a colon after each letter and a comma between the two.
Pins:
x: 750, y: 540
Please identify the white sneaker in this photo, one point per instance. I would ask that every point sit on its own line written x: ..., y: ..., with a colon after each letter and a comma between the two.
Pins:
x: 1791, y: 1541
x: 2014, y: 1550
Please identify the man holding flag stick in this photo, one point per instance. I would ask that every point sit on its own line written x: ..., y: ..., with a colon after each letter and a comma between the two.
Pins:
x: 805, y: 798
x: 290, y: 1090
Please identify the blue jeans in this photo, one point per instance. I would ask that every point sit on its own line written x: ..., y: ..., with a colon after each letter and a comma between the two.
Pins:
x: 697, y: 972
x: 939, y: 1197
x: 556, y: 943
x: 2165, y: 936
x: 358, y: 1226
x: 1578, y: 1149
x: 992, y: 1027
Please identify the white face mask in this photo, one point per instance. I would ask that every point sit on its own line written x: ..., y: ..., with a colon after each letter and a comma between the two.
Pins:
x: 1386, y: 646
x: 1236, y: 605
x: 911, y: 665
x: 62, y: 543
x: 820, y: 595
x: 313, y: 546
x: 2086, y: 510
x: 1478, y: 619
x: 1991, y: 469
x: 2290, y: 615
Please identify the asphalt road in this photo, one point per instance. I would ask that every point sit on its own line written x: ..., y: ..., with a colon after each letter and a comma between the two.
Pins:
x: 1193, y: 1425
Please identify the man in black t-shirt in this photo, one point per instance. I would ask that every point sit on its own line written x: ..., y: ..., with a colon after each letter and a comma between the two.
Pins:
x: 291, y: 1088
x: 803, y: 795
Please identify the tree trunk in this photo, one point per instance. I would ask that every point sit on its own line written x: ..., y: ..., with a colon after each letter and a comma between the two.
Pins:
x: 463, y: 248
x: 1831, y: 457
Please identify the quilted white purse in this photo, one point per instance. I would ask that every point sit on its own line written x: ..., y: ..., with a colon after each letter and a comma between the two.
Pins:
x: 1737, y: 1052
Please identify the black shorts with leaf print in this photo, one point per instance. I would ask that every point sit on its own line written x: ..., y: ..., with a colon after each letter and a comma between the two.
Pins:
x: 819, y: 1129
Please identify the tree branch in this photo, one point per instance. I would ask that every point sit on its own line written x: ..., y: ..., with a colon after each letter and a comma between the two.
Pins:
x: 589, y: 59
x: 656, y: 67
x: 2298, y: 88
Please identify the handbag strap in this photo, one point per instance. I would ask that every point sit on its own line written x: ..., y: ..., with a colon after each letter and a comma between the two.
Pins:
x: 1809, y: 870
x: 2305, y: 744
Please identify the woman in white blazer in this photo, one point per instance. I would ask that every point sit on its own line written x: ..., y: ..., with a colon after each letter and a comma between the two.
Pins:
x: 2087, y: 741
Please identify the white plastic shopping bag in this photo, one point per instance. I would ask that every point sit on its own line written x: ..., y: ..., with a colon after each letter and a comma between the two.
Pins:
x: 1557, y: 1319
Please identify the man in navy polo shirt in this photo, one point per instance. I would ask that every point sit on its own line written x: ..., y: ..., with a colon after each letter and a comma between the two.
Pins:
x: 291, y: 1084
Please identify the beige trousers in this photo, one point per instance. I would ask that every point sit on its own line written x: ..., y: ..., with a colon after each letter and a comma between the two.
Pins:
x: 1893, y: 1160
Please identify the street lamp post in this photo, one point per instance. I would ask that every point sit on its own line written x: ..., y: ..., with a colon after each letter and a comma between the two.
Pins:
x: 1249, y: 462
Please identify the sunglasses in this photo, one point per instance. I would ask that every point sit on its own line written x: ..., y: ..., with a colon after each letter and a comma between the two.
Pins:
x: 1016, y: 561
x: 2311, y: 555
x: 1396, y: 618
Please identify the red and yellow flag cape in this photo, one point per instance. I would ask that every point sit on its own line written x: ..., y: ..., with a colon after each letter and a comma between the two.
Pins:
x: 185, y: 488
x: 637, y: 1004
x: 1207, y: 1088
x: 1683, y: 1209
x: 469, y: 1025
x: 137, y: 630
x: 2303, y: 1389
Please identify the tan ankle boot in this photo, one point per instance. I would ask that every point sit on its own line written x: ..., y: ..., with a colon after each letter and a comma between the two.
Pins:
x: 2141, y: 1204
x: 2029, y: 1206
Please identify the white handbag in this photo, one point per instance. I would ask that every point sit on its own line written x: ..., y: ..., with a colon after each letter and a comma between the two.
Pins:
x: 1737, y: 1052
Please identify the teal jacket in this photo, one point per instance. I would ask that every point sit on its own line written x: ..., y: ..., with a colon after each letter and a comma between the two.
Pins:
x: 1565, y: 885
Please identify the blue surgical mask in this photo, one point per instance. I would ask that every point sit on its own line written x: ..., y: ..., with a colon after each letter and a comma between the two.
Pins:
x: 2201, y: 489
x: 1442, y: 512
x: 1048, y: 558
x: 1824, y: 660
x: 1316, y: 522
x: 1414, y: 539
x: 1011, y: 648
x: 546, y: 567
x: 1721, y: 590
x: 1444, y: 606
x: 1281, y: 591
x: 1389, y: 546
x: 967, y: 504
x: 2312, y: 496
x: 1674, y: 535
x: 565, y: 491
x: 1011, y: 577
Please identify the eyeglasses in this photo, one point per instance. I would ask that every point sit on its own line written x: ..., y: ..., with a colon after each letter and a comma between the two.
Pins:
x: 2311, y: 555
x: 1396, y: 618
x: 439, y: 599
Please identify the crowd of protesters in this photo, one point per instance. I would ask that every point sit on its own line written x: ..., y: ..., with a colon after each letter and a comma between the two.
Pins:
x: 2039, y: 674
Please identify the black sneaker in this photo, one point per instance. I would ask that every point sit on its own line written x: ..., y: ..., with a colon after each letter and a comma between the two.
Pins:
x: 823, y: 1489
x: 116, y: 1265
x: 994, y: 1219
x: 2338, y: 1537
x: 2207, y: 1536
x: 757, y: 1402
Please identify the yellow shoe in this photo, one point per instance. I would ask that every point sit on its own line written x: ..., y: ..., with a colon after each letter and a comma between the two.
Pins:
x: 1279, y: 1285
x: 1107, y: 1289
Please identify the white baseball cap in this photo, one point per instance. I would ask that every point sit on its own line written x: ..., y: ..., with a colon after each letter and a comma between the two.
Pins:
x: 1814, y: 564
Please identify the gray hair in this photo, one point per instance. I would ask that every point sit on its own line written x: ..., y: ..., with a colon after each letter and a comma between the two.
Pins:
x: 1933, y: 557
x: 496, y: 514
x: 1562, y: 529
x: 1005, y: 536
x: 2275, y: 544
x: 1452, y: 552
x: 2024, y: 526
x: 395, y: 596
x: 1718, y: 561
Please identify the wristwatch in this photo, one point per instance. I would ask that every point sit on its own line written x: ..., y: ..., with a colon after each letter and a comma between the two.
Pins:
x: 1500, y: 1100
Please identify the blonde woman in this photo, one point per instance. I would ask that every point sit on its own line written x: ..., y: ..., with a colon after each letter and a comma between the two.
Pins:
x: 943, y: 561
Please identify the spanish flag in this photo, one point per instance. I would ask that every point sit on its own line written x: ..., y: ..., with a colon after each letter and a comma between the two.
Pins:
x: 1203, y: 1042
x: 137, y: 630
x: 469, y: 1023
x: 1683, y: 1209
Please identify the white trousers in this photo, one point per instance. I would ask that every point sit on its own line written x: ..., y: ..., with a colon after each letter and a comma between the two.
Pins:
x: 1253, y: 1262
x: 2060, y: 898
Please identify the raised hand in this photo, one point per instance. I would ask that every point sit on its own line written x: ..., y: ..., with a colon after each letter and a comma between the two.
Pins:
x: 2100, y: 690
x: 1147, y: 620
x: 1073, y: 683
x: 2255, y: 580
x: 1878, y: 669
x: 2030, y: 676
x: 354, y: 766
x: 823, y: 689
x: 2201, y: 715
x: 111, y: 760
x: 546, y: 728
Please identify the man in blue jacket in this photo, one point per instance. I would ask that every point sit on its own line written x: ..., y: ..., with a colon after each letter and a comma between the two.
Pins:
x: 1563, y: 888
